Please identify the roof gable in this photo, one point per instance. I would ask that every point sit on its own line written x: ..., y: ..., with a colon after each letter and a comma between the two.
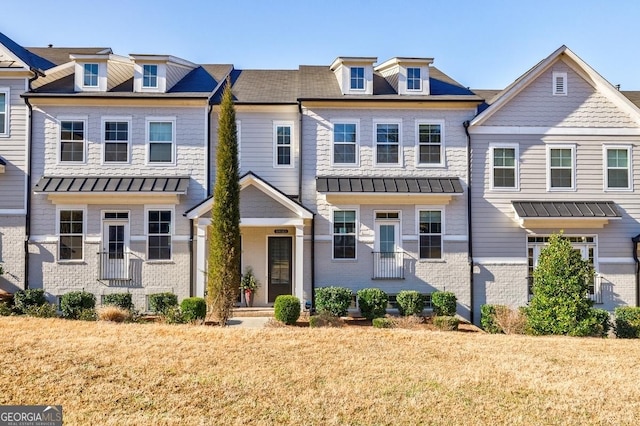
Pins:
x: 25, y: 57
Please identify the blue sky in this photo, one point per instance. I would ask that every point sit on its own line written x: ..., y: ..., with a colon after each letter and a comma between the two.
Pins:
x: 482, y: 44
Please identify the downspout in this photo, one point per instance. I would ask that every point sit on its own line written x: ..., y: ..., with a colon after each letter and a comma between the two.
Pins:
x: 191, y: 283
x: 469, y: 220
x: 208, y: 159
x: 313, y: 265
x: 635, y: 241
x: 300, y: 152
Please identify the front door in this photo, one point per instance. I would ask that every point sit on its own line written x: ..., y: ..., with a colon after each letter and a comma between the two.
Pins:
x: 114, y: 257
x: 279, y: 267
x: 388, y: 256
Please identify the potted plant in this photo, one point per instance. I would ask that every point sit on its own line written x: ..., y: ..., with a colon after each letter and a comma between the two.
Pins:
x: 249, y: 284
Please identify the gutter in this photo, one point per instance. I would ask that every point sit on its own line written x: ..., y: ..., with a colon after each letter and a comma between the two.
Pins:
x: 469, y: 220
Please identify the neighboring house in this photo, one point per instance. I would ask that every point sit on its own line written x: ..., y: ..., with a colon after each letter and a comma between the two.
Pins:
x: 557, y: 150
x: 119, y: 154
x: 384, y: 168
x: 17, y: 67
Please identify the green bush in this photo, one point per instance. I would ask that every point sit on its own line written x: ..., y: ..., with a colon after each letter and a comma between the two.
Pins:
x: 444, y: 303
x: 47, y: 310
x: 286, y: 309
x: 5, y: 309
x: 372, y: 302
x: 325, y: 319
x: 603, y: 319
x: 160, y: 302
x: 173, y: 315
x: 410, y: 302
x: 193, y: 308
x: 78, y: 305
x: 488, y: 318
x: 446, y: 322
x: 627, y: 322
x: 334, y: 300
x: 24, y: 299
x: 383, y: 323
x: 121, y: 300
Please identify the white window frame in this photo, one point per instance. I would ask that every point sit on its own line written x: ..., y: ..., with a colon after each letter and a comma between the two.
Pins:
x: 554, y: 87
x: 572, y: 147
x: 377, y: 122
x: 83, y: 209
x: 85, y: 120
x: 276, y: 125
x: 171, y: 234
x: 148, y: 142
x: 419, y: 79
x: 605, y: 167
x: 118, y: 119
x: 144, y: 67
x: 84, y: 75
x: 5, y: 115
x: 516, y: 148
x: 356, y: 234
x: 441, y: 209
x: 442, y: 162
x: 364, y: 79
x: 356, y: 163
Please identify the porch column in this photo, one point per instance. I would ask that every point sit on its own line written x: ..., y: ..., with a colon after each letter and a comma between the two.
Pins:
x: 201, y: 239
x: 299, y: 265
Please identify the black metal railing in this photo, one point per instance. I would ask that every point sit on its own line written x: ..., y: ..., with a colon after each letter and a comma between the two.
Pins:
x: 114, y: 265
x: 388, y: 265
x: 594, y: 291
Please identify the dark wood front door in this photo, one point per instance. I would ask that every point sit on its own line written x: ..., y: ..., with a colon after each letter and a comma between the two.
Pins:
x: 280, y: 266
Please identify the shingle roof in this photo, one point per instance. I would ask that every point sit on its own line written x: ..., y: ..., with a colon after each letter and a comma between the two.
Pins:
x: 60, y: 55
x: 633, y: 96
x: 263, y: 86
x: 30, y: 58
x: 389, y: 185
x: 103, y: 184
x: 2, y: 162
x: 566, y: 209
x: 197, y: 80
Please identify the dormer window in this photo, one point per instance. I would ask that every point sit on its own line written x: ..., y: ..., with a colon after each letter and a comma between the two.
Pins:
x: 560, y: 83
x: 414, y: 81
x: 357, y: 78
x: 149, y: 76
x: 90, y: 78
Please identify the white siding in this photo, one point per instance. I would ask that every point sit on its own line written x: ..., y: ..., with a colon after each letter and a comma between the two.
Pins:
x: 13, y: 148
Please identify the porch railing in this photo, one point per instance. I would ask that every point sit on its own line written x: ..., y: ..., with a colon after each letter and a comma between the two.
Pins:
x: 388, y: 265
x: 114, y: 266
x: 594, y: 291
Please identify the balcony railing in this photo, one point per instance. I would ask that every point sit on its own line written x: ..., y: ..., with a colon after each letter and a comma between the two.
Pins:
x: 594, y: 292
x: 114, y: 266
x: 388, y: 265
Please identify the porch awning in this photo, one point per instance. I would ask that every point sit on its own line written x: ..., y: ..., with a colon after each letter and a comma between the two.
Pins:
x: 565, y: 214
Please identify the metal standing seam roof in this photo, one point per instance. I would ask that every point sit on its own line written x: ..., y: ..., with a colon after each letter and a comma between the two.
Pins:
x: 565, y: 209
x: 447, y: 185
x: 101, y: 184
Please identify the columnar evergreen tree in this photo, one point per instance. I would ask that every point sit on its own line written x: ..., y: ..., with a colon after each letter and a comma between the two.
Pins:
x: 223, y: 275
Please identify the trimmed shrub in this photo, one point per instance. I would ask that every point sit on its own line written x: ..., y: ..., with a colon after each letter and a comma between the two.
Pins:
x: 193, y: 308
x: 173, y: 315
x: 603, y: 318
x: 334, y: 300
x: 114, y: 313
x: 627, y: 322
x: 488, y: 319
x: 410, y: 302
x: 121, y: 300
x: 5, y: 309
x: 47, y: 310
x: 383, y: 323
x: 24, y: 299
x: 160, y: 302
x: 372, y: 303
x: 78, y: 305
x: 286, y: 309
x: 325, y: 319
x: 444, y: 303
x: 446, y: 323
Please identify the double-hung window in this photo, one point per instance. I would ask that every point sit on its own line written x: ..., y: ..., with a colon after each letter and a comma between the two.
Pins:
x: 344, y: 234
x: 70, y: 234
x: 357, y: 78
x: 618, y: 167
x: 160, y: 138
x: 345, y: 143
x: 504, y: 165
x: 414, y: 82
x: 90, y: 77
x: 430, y: 233
x: 561, y: 167
x: 149, y: 76
x: 4, y: 112
x: 72, y: 141
x: 116, y: 141
x: 159, y: 234
x: 282, y: 142
x: 387, y: 143
x: 430, y: 143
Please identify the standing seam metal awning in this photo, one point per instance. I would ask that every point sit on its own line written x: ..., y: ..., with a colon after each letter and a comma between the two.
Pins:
x: 446, y: 185
x: 131, y: 184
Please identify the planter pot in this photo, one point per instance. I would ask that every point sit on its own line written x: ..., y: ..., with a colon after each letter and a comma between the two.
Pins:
x: 248, y: 298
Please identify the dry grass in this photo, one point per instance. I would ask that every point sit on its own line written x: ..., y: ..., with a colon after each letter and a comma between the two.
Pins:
x: 113, y: 314
x: 104, y: 373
